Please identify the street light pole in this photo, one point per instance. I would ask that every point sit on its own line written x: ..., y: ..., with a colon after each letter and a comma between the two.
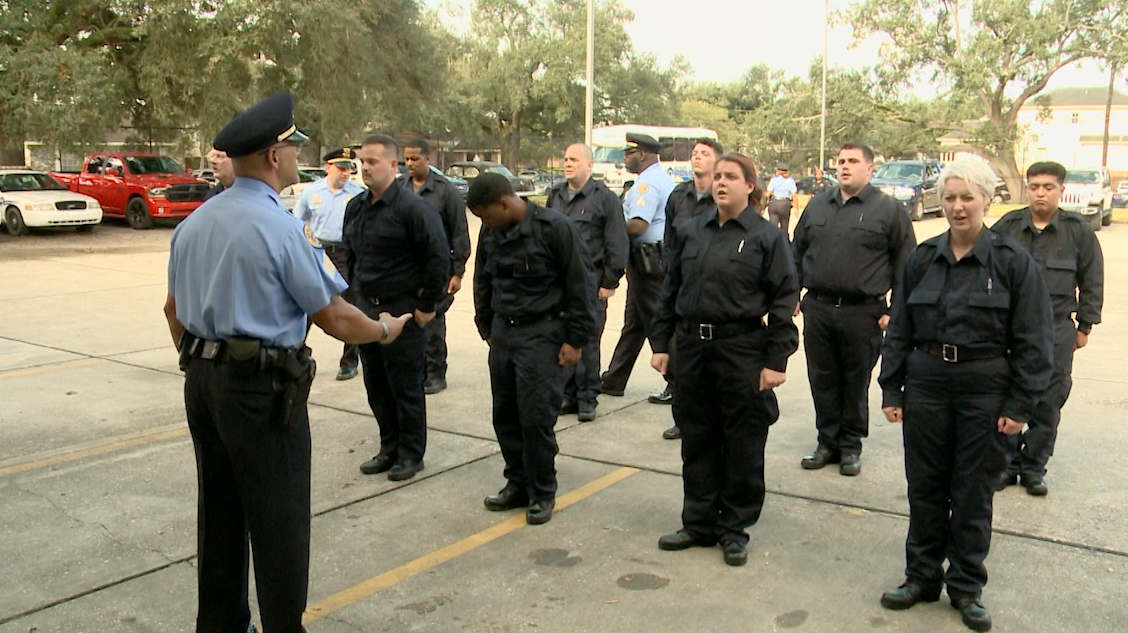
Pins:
x: 822, y: 131
x: 589, y: 99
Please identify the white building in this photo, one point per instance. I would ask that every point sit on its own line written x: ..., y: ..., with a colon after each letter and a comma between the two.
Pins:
x: 1072, y: 131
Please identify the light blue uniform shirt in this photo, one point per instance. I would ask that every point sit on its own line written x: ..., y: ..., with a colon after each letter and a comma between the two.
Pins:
x: 647, y: 201
x: 781, y: 187
x: 241, y: 265
x: 324, y: 210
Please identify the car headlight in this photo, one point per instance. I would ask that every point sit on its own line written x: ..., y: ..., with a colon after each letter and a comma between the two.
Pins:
x: 30, y: 207
x: 157, y: 192
x: 93, y: 204
x: 904, y: 193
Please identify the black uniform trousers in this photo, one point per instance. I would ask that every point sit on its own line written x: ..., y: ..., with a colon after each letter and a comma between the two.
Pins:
x: 842, y: 345
x: 436, y: 339
x: 393, y: 378
x: 350, y: 357
x: 724, y: 420
x: 954, y: 454
x: 527, y: 383
x: 643, y: 290
x: 253, y: 484
x: 1029, y: 452
x: 779, y: 212
x: 581, y: 381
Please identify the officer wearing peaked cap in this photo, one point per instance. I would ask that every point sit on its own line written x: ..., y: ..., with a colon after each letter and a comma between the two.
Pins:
x: 322, y: 207
x: 243, y: 277
x: 645, y: 207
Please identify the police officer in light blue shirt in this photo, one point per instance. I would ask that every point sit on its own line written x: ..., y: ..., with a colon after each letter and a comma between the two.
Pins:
x: 783, y: 196
x: 322, y: 207
x: 645, y: 208
x: 243, y: 277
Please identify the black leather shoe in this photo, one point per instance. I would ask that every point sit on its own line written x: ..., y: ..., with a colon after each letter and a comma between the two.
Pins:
x: 507, y: 498
x: 405, y: 469
x: 377, y: 465
x: 973, y: 613
x: 672, y: 433
x: 568, y: 407
x: 608, y: 391
x: 540, y: 511
x: 821, y: 457
x: 1035, y: 485
x: 1006, y: 479
x: 735, y: 554
x: 346, y: 373
x: 907, y: 595
x: 586, y: 412
x: 662, y: 397
x: 851, y: 465
x: 434, y: 385
x: 681, y: 540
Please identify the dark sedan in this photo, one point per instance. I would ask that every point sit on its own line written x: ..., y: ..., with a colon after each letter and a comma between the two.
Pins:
x: 469, y: 170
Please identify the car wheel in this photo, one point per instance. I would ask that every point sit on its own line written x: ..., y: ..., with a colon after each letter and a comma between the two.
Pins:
x: 1095, y: 220
x: 917, y: 213
x: 84, y: 228
x: 998, y: 199
x: 15, y: 222
x: 1106, y: 219
x: 137, y: 214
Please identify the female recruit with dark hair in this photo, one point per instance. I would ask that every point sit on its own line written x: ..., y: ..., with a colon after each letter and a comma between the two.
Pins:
x: 729, y: 295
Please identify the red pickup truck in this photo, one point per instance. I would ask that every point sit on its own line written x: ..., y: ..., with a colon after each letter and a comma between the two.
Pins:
x: 139, y: 187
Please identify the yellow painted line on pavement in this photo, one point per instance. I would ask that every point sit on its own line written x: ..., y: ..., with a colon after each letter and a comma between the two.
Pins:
x: 374, y: 585
x: 93, y: 451
x: 46, y: 368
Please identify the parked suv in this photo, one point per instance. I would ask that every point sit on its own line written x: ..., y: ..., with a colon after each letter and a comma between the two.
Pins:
x: 1088, y: 191
x: 469, y: 170
x: 913, y: 183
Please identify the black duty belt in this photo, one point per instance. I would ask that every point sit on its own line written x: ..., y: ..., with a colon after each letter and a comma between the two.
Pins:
x: 383, y: 301
x: 839, y: 301
x: 219, y: 351
x: 713, y: 331
x: 332, y: 247
x: 959, y: 353
x: 518, y: 321
x: 649, y: 248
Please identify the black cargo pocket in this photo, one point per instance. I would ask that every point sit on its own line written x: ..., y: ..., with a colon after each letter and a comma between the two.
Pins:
x: 988, y: 315
x: 1061, y: 277
x: 871, y: 236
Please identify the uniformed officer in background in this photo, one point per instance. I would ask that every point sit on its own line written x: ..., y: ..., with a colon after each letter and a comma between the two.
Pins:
x: 821, y: 184
x: 1070, y: 258
x: 437, y: 190
x: 398, y: 260
x: 534, y: 303
x: 322, y: 207
x: 644, y: 205
x: 783, y: 196
x: 688, y: 200
x: 242, y: 278
x: 729, y: 295
x: 223, y: 170
x: 850, y: 250
x: 598, y: 215
x: 967, y: 353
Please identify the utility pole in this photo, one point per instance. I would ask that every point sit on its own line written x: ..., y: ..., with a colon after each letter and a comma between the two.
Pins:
x: 822, y: 130
x: 589, y: 100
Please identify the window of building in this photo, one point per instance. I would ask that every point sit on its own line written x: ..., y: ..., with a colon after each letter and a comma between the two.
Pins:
x: 1075, y: 118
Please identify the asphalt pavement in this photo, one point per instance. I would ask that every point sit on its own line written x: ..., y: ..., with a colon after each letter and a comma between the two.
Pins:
x: 98, y: 489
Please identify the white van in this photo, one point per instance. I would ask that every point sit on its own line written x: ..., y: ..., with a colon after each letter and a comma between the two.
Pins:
x: 677, y: 145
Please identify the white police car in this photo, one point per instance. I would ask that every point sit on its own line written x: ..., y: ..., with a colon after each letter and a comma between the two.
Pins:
x: 33, y: 199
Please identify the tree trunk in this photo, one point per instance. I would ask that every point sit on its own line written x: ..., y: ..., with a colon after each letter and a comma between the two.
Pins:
x: 1112, y: 71
x: 1007, y: 167
x: 513, y: 152
x: 11, y: 151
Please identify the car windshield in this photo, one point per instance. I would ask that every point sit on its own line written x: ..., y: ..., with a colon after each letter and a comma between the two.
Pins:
x: 609, y: 155
x: 152, y: 165
x: 1089, y: 177
x: 500, y: 169
x: 29, y: 182
x: 903, y: 171
x: 310, y: 175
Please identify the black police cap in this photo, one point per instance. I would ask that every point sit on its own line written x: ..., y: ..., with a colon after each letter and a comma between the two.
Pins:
x: 340, y: 154
x: 782, y: 166
x: 267, y: 122
x: 643, y: 142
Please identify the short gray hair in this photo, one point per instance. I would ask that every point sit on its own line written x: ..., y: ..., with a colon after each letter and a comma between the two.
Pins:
x: 975, y: 173
x: 587, y: 154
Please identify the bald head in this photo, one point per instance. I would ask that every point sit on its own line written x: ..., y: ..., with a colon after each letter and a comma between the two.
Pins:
x: 578, y: 161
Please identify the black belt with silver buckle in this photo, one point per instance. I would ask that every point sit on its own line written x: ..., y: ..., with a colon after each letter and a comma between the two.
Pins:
x: 207, y: 349
x: 838, y: 301
x: 714, y: 331
x: 959, y: 353
x: 650, y: 248
x: 522, y: 320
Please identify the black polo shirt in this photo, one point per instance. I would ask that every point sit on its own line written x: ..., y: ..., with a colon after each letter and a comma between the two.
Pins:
x: 442, y: 195
x: 684, y: 204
